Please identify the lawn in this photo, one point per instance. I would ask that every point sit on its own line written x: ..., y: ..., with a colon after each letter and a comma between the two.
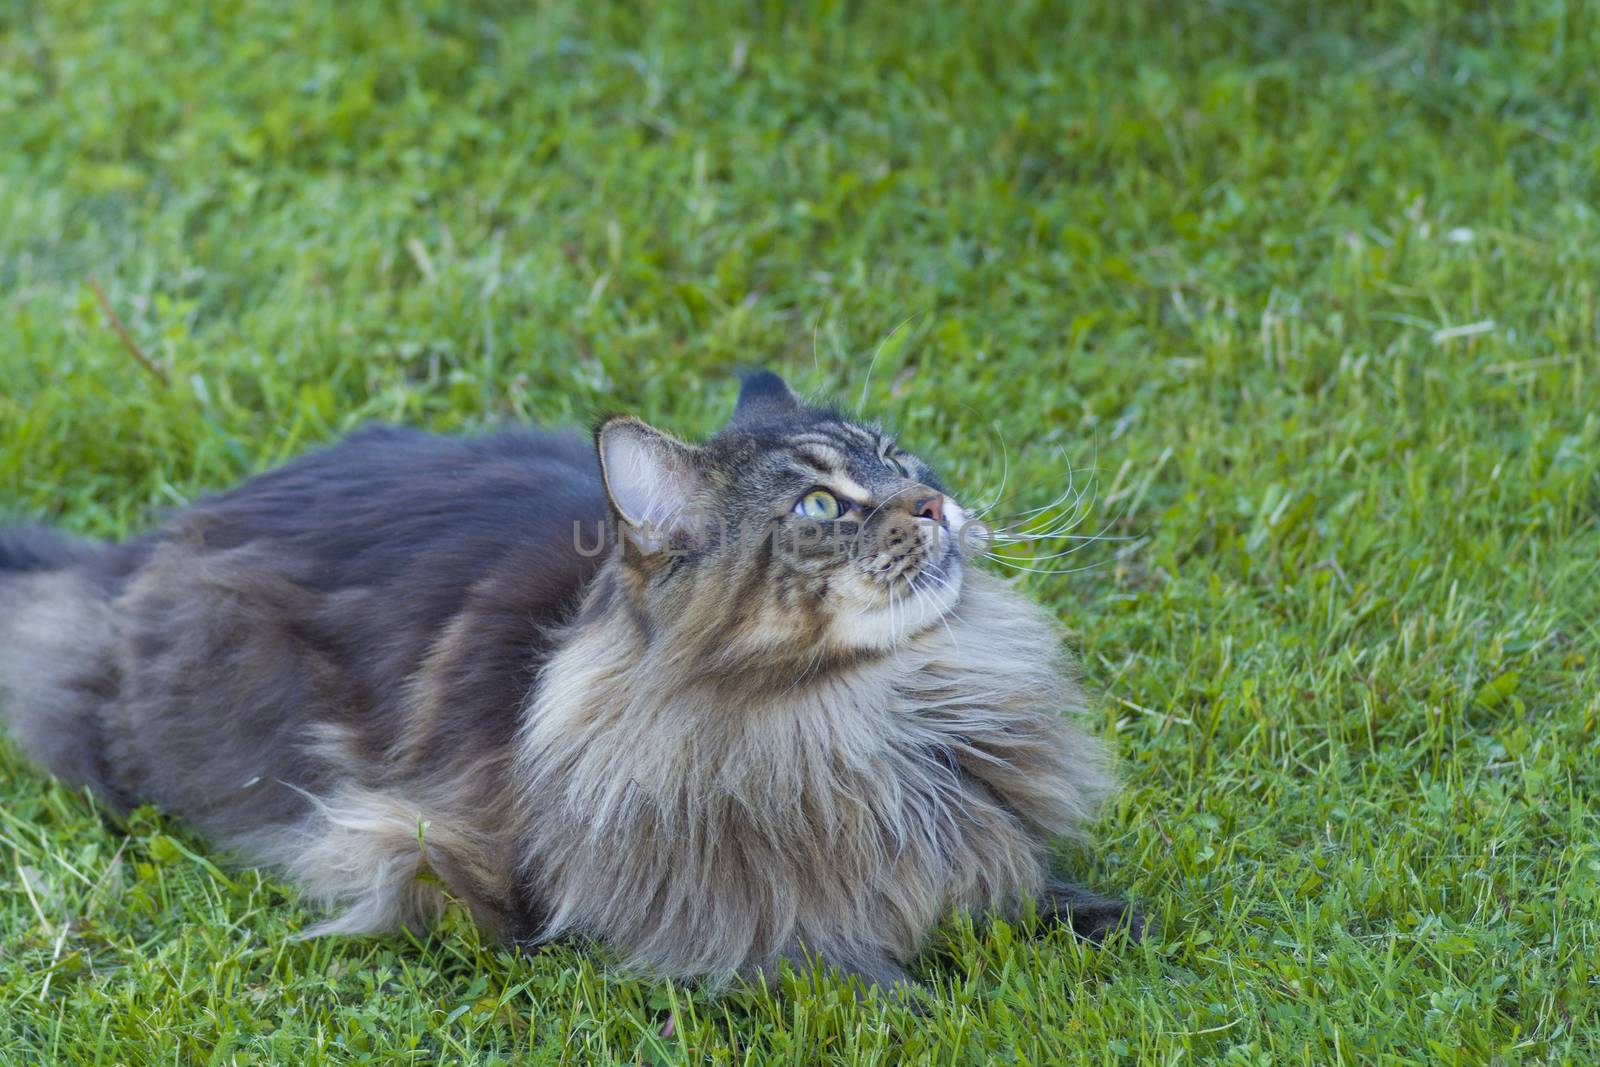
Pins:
x: 1306, y: 295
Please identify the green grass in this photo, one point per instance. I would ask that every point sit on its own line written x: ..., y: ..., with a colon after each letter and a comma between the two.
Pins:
x: 1224, y: 252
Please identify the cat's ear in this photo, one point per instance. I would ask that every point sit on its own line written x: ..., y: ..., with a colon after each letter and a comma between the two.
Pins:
x: 763, y: 396
x: 650, y: 477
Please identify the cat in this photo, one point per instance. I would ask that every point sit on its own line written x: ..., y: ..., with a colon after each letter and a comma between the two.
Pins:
x: 714, y: 705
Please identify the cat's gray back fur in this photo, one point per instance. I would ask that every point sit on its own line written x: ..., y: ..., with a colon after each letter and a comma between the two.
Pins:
x: 256, y: 654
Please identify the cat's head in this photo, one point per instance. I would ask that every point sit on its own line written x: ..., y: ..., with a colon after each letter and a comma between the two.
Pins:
x: 794, y: 532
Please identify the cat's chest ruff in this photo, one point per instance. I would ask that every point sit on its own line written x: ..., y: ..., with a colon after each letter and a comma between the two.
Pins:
x: 885, y: 725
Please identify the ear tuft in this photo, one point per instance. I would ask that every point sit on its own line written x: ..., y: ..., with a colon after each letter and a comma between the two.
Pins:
x: 763, y: 395
x: 650, y: 478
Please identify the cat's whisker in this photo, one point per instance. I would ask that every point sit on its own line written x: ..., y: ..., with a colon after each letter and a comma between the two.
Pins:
x: 1018, y: 539
x: 893, y: 628
x: 924, y: 600
x: 1071, y: 483
x: 883, y: 503
x: 1072, y: 492
x: 1076, y: 508
x: 1087, y: 539
x: 932, y: 604
x: 1005, y: 473
x: 1047, y: 555
x: 1065, y: 493
x: 816, y: 362
x: 810, y: 669
x: 1058, y: 527
x: 1055, y: 528
x: 875, y: 354
x: 1061, y: 533
x: 1025, y: 515
x: 1083, y: 541
x: 1067, y: 520
x: 1050, y: 570
x: 936, y: 574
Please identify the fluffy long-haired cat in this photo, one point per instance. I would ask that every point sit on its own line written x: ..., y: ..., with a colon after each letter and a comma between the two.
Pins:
x: 715, y: 705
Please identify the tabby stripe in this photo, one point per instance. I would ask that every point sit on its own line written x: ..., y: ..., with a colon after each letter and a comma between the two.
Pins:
x: 820, y: 458
x: 871, y: 440
x: 815, y: 439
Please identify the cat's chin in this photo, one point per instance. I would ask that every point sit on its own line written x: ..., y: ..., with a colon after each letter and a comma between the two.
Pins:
x: 915, y: 606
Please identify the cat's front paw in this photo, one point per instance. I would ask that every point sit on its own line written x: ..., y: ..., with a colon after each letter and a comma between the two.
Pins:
x: 1089, y: 915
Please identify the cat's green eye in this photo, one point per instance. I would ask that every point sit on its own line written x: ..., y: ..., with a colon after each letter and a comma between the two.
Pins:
x: 820, y: 505
x: 896, y: 466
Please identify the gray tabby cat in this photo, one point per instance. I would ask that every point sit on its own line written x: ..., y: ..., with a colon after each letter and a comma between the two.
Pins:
x: 714, y: 705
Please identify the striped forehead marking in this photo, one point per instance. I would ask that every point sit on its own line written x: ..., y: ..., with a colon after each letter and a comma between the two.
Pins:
x: 824, y: 457
x: 832, y: 470
x: 821, y: 440
x: 860, y: 433
x: 851, y: 489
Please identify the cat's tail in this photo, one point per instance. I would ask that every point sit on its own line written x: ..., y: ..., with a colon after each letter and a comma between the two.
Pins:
x: 35, y: 547
x: 58, y: 645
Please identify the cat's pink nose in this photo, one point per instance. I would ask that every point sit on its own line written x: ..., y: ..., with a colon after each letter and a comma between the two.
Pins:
x: 929, y: 507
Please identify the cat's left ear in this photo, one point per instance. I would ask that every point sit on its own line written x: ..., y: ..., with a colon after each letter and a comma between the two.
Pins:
x: 763, y: 396
x: 650, y: 477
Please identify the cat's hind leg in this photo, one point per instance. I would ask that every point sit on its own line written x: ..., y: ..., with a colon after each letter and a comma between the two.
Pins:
x: 1089, y: 915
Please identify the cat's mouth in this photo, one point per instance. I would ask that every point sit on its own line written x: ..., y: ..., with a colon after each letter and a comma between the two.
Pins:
x: 916, y: 597
x: 924, y: 555
x: 911, y: 585
x: 937, y: 577
x: 924, y: 565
